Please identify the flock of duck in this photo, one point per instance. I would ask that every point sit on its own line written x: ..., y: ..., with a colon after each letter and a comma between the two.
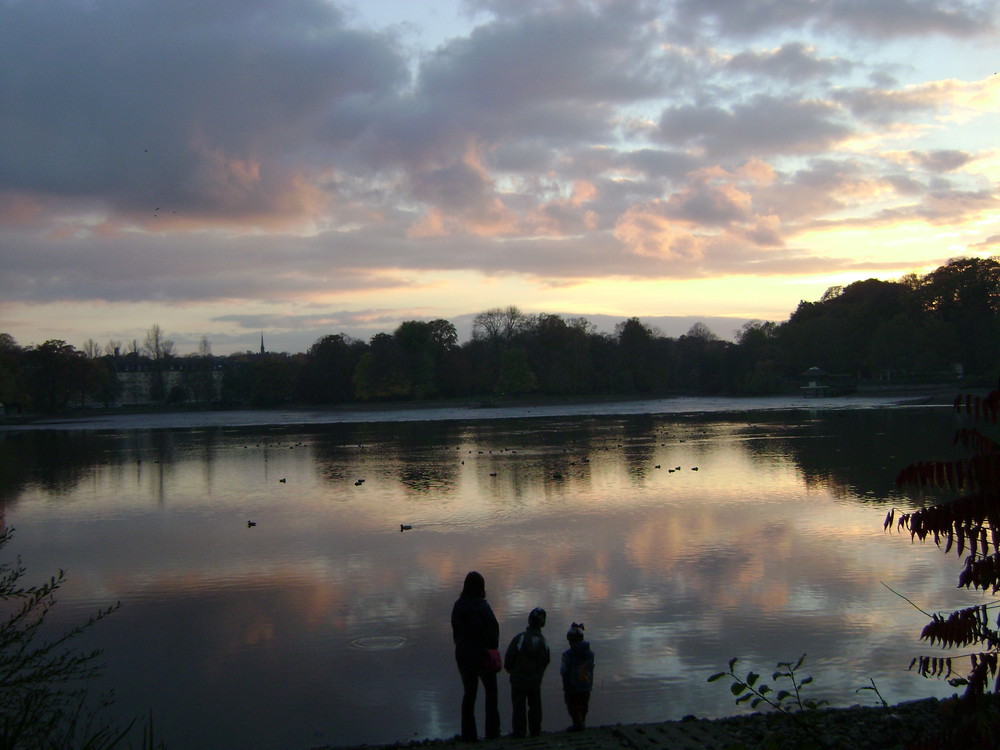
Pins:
x: 407, y: 527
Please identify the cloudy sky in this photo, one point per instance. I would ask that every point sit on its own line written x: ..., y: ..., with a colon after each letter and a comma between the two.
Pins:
x: 304, y: 167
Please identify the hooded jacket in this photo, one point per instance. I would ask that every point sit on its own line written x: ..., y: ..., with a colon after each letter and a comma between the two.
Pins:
x: 577, y: 668
x: 474, y: 629
x: 526, y: 658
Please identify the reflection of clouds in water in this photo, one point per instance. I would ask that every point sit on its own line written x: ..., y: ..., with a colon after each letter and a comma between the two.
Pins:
x: 673, y: 573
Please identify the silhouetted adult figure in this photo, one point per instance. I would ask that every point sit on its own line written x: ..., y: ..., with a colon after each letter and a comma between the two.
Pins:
x: 475, y: 629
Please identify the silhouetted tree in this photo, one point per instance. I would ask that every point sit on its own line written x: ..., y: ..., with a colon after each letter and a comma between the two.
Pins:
x: 554, y: 351
x: 515, y: 375
x: 499, y: 325
x: 91, y: 349
x: 159, y: 349
x: 417, y: 348
x: 757, y: 357
x: 835, y: 333
x: 381, y: 373
x: 326, y: 375
x: 259, y: 379
x: 965, y: 295
x: 968, y: 523
x: 14, y: 393
x: 635, y: 373
x: 57, y: 374
x: 909, y: 345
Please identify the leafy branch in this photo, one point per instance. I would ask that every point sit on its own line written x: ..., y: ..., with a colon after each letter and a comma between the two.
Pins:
x: 750, y: 689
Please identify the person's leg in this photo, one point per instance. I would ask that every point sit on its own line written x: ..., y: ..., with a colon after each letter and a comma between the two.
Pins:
x: 492, y: 705
x: 584, y: 707
x: 534, y: 696
x: 576, y: 713
x: 568, y: 698
x: 470, y: 687
x: 518, y: 719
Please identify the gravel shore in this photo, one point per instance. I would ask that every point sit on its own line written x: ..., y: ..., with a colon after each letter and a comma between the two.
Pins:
x: 925, y: 724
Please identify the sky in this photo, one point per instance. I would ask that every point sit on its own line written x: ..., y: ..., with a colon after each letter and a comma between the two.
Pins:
x: 296, y: 168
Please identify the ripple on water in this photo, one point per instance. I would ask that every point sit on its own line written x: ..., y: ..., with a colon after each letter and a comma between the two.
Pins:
x: 379, y: 642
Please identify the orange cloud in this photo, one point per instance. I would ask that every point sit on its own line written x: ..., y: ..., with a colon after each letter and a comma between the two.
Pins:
x: 19, y: 208
x: 648, y: 232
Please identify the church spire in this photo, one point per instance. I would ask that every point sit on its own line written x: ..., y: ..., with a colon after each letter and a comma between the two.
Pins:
x: 262, y: 342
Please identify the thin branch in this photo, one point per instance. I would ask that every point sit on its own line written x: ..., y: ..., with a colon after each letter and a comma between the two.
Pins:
x: 909, y: 601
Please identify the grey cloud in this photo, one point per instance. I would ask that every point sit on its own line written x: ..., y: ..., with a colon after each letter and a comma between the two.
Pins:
x: 905, y: 185
x: 885, y: 19
x: 764, y: 235
x: 531, y: 85
x: 945, y: 206
x: 710, y: 205
x: 325, y: 320
x: 952, y: 204
x: 993, y: 239
x: 741, y: 19
x: 793, y: 62
x: 814, y: 190
x: 526, y: 71
x: 143, y: 102
x: 671, y: 165
x: 458, y: 186
x: 188, y: 269
x: 884, y: 106
x: 526, y: 155
x: 899, y: 18
x: 236, y: 112
x: 562, y: 52
x: 945, y: 160
x: 763, y: 125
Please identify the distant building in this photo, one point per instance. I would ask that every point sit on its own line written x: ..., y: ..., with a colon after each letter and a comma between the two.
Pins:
x: 141, y: 382
x: 818, y: 382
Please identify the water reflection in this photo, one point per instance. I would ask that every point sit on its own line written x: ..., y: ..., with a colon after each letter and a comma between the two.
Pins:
x: 680, y: 541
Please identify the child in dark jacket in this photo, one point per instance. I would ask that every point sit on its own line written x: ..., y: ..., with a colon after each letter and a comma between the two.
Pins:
x: 577, y: 670
x: 526, y: 658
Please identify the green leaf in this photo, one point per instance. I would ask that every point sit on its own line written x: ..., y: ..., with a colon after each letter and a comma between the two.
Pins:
x: 737, y: 687
x: 764, y: 689
x: 744, y: 698
x: 752, y: 678
x: 732, y: 663
x: 806, y: 681
x: 782, y: 694
x: 755, y: 702
x: 799, y: 662
x: 716, y: 676
x: 776, y: 675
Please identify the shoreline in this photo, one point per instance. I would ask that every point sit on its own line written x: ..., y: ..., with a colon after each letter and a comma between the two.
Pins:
x: 907, y: 395
x: 858, y: 727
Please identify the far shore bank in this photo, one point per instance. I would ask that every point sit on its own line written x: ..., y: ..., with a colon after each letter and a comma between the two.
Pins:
x: 931, y: 394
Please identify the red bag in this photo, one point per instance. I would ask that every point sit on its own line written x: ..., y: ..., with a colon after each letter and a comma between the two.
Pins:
x: 493, y: 662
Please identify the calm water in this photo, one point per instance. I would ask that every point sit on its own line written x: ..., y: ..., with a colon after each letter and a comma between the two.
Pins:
x: 324, y: 623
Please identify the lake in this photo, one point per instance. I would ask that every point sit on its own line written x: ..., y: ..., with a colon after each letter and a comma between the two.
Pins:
x: 681, y: 532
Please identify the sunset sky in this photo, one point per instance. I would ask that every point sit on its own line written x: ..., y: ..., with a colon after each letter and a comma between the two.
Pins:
x: 301, y: 167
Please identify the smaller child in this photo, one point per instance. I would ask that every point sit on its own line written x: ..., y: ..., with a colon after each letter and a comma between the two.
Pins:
x: 526, y: 659
x: 577, y: 670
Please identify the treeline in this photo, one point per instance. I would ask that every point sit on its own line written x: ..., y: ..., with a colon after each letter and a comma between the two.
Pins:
x: 930, y: 328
